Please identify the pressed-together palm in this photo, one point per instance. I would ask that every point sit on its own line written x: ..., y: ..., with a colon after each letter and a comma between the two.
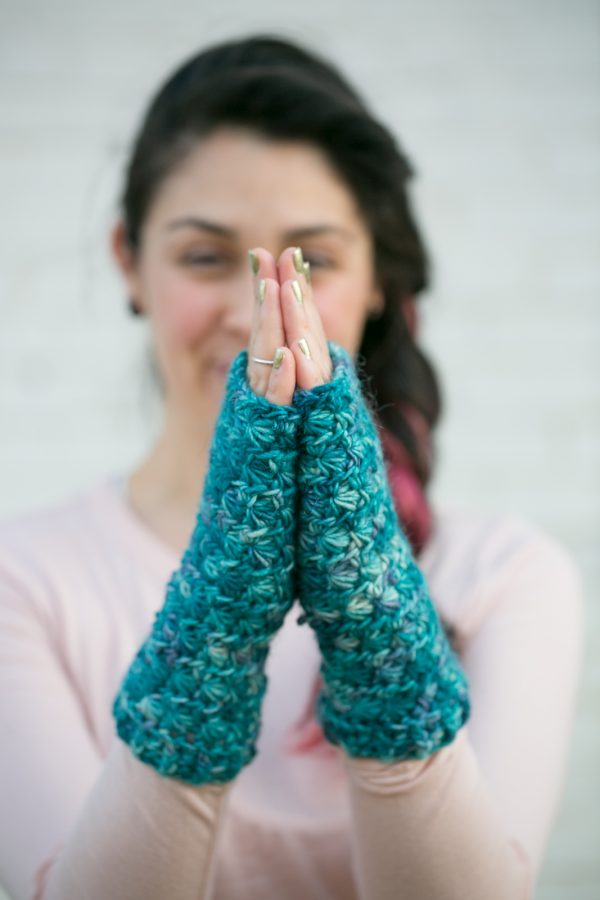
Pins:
x: 190, y: 703
x: 392, y: 685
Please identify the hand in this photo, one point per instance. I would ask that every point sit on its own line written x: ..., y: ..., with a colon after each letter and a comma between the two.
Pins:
x: 190, y: 703
x: 392, y: 686
x: 281, y: 320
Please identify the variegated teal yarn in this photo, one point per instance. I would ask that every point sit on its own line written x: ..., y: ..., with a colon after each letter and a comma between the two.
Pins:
x: 392, y: 686
x: 190, y: 703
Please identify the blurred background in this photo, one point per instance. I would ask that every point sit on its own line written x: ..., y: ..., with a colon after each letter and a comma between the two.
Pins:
x: 496, y: 104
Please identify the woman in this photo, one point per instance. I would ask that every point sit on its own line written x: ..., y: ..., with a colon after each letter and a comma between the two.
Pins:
x: 225, y: 674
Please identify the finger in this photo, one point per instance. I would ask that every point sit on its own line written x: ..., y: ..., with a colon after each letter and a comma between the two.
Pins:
x: 262, y: 267
x: 299, y: 337
x: 262, y: 264
x: 267, y: 325
x: 282, y: 379
x: 267, y: 334
x: 291, y: 266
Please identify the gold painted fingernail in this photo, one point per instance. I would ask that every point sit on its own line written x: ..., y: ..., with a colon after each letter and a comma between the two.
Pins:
x: 262, y: 289
x: 254, y: 261
x: 298, y: 260
x: 278, y: 358
x: 297, y: 289
x: 304, y: 348
x: 307, y: 271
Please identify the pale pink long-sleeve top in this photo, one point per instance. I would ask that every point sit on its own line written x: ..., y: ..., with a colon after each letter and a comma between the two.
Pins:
x: 82, y: 819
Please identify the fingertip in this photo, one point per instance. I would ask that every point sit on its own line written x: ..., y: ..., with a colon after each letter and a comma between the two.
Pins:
x: 308, y: 375
x: 262, y: 263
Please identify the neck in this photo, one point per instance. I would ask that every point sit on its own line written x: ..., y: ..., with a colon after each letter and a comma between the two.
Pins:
x: 165, y: 490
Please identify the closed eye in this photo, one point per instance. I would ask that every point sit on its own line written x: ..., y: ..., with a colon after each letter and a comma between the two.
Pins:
x: 316, y: 261
x: 197, y: 259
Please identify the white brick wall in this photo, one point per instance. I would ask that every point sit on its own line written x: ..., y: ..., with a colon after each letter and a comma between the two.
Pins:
x: 497, y: 103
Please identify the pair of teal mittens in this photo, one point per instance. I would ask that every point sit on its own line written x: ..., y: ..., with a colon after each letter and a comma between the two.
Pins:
x: 295, y: 503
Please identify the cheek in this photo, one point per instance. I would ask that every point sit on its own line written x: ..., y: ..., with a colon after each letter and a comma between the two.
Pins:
x: 342, y: 308
x: 183, y: 311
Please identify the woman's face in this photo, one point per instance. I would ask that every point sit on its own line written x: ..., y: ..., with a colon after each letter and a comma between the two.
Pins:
x: 192, y: 276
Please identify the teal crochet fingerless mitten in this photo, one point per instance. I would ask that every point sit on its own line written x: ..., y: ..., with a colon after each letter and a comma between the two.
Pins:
x: 393, y: 688
x: 190, y: 702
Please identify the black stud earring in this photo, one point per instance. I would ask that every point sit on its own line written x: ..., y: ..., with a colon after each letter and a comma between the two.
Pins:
x: 133, y: 309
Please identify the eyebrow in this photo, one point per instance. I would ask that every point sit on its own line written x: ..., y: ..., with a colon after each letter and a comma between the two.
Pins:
x: 224, y: 231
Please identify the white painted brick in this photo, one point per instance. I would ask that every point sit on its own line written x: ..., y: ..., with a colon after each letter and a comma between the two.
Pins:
x: 496, y: 104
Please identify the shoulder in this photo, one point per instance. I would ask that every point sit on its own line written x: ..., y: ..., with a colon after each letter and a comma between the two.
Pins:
x: 37, y: 545
x: 476, y: 561
x: 481, y: 544
x: 38, y: 528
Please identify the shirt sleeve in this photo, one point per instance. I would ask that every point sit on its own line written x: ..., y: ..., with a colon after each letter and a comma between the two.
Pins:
x: 72, y: 825
x: 473, y: 819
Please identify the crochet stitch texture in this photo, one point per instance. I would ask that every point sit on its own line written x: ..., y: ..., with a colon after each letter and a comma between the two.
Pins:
x: 392, y: 686
x: 189, y: 704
